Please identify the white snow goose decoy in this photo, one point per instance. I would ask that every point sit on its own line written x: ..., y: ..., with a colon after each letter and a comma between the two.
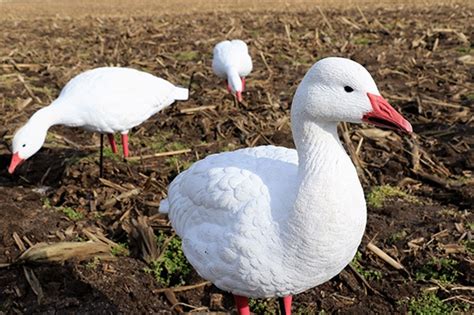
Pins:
x: 231, y: 61
x: 105, y: 100
x: 270, y: 221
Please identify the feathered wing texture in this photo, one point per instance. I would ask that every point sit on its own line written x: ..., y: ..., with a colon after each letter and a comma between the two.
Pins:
x: 231, y: 55
x: 227, y: 209
x: 116, y: 99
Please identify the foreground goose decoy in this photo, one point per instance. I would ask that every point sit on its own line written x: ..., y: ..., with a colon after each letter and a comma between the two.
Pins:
x: 105, y: 100
x: 273, y: 222
x: 231, y: 61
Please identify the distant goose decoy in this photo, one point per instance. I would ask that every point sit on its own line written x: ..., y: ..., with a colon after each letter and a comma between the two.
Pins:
x: 231, y: 61
x: 271, y: 221
x: 105, y: 100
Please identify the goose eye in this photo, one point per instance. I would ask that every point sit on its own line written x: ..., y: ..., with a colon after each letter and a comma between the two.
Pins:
x: 348, y: 89
x: 24, y: 145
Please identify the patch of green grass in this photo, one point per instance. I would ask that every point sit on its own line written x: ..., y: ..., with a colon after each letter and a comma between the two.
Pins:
x: 464, y: 50
x: 68, y: 211
x: 470, y: 226
x: 93, y: 264
x: 398, y: 236
x: 307, y: 309
x: 380, y: 194
x: 263, y: 306
x: 469, y: 246
x: 443, y: 270
x: 121, y: 249
x: 362, y: 41
x: 173, y: 267
x: 228, y: 147
x: 49, y: 138
x: 431, y: 304
x: 109, y: 154
x: 175, y: 146
x: 187, y: 55
x: 174, y: 161
x: 71, y: 213
x: 46, y: 203
x: 162, y: 143
x: 368, y: 274
x: 98, y: 215
x: 470, y: 97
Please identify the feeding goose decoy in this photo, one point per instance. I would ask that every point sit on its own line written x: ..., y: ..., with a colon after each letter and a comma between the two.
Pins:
x: 105, y: 100
x: 231, y: 61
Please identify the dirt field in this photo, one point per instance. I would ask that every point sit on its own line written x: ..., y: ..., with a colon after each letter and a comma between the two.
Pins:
x: 419, y: 188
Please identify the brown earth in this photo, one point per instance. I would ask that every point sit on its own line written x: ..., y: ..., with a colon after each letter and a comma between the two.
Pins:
x: 422, y: 61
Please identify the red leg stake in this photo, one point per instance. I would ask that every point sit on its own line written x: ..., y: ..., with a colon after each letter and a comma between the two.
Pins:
x: 112, y: 142
x: 242, y: 304
x: 287, y: 303
x: 125, y: 145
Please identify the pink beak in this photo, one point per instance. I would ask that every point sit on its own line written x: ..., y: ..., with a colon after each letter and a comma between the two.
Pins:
x: 16, y: 160
x: 384, y: 115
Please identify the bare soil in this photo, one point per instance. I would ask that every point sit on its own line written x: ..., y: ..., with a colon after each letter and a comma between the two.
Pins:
x: 421, y: 59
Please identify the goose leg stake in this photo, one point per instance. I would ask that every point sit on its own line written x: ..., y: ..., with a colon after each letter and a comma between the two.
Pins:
x: 242, y: 304
x: 112, y: 142
x: 125, y: 145
x: 285, y: 305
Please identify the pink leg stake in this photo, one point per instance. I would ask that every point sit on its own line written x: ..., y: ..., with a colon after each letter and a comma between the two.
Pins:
x: 125, y: 145
x: 287, y: 303
x: 242, y: 304
x: 112, y: 142
x: 243, y: 84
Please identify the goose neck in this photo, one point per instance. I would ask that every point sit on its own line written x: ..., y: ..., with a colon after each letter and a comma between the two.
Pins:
x: 329, y: 196
x: 234, y: 79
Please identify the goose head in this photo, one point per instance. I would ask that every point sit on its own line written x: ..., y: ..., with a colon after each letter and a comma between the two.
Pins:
x: 26, y: 142
x: 339, y: 89
x: 235, y: 85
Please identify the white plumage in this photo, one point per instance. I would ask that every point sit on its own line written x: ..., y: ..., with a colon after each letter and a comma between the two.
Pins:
x: 271, y: 221
x: 105, y: 100
x: 231, y: 61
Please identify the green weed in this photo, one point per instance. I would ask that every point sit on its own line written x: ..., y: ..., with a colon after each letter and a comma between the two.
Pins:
x: 368, y: 274
x: 46, y: 203
x: 362, y: 41
x: 262, y: 306
x: 469, y: 246
x: 443, y: 270
x: 430, y: 304
x: 92, y: 265
x: 68, y: 211
x: 464, y: 50
x: 398, y: 236
x: 380, y: 194
x: 121, y: 249
x: 109, y: 154
x: 71, y: 213
x: 308, y: 309
x: 173, y: 267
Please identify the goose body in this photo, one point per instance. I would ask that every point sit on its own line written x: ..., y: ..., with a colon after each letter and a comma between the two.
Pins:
x: 231, y: 61
x: 271, y: 221
x: 233, y: 212
x: 113, y: 99
x: 105, y: 100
